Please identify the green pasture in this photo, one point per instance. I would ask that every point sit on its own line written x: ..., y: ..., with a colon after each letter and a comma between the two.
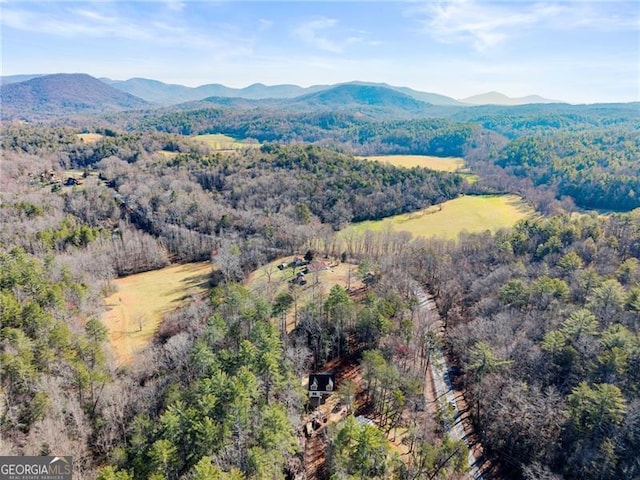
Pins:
x: 443, y: 164
x: 218, y: 141
x: 447, y: 220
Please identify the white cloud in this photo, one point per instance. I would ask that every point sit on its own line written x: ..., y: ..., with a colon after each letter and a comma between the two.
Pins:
x: 312, y: 33
x: 264, y: 24
x: 481, y: 25
x: 315, y: 33
x: 104, y: 21
x: 486, y: 25
x: 175, y: 6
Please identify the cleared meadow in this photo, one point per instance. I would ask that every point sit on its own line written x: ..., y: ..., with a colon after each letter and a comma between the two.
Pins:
x: 135, y: 311
x: 167, y: 154
x: 218, y: 141
x: 449, y: 219
x: 89, y: 137
x: 443, y: 164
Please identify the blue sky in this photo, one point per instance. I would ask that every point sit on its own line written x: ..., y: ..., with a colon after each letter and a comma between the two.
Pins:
x: 575, y: 51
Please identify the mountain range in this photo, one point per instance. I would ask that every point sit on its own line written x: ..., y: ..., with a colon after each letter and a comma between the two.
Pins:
x: 42, y: 96
x: 496, y: 98
x: 171, y: 94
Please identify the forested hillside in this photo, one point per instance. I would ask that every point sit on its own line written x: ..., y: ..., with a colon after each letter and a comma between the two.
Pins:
x: 587, y: 154
x: 273, y: 197
x: 53, y: 363
x: 364, y: 134
x: 50, y: 96
x: 598, y: 169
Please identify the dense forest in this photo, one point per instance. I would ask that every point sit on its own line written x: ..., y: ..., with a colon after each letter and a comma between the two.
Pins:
x: 598, y: 169
x: 540, y: 321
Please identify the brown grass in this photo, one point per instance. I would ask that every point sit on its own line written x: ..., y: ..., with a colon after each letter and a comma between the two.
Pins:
x: 167, y: 154
x: 135, y: 311
x: 89, y: 138
x: 443, y: 164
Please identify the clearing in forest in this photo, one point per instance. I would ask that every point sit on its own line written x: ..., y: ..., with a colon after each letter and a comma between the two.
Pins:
x: 89, y: 137
x: 218, y: 141
x: 167, y: 154
x: 470, y: 213
x: 135, y: 311
x: 443, y: 164
x: 322, y: 274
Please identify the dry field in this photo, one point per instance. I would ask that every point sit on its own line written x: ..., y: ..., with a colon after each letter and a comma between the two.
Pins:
x: 443, y: 164
x: 167, y: 154
x: 89, y: 137
x: 449, y: 219
x: 136, y: 310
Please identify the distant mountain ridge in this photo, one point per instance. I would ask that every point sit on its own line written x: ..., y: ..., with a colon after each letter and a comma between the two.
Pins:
x: 361, y: 94
x: 8, y: 79
x: 172, y: 94
x: 361, y: 100
x: 160, y: 93
x: 63, y: 93
x: 32, y: 97
x: 497, y: 98
x: 49, y: 96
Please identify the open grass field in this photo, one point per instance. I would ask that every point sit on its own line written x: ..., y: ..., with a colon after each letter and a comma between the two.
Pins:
x: 443, y: 164
x: 218, y: 141
x: 89, y: 137
x: 76, y: 173
x: 269, y: 281
x: 447, y: 220
x: 135, y: 311
x: 167, y: 154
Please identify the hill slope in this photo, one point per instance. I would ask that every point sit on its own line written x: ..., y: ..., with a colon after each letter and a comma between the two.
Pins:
x: 350, y: 95
x: 60, y: 94
x: 358, y: 99
x: 7, y: 79
x: 497, y: 98
x: 154, y: 91
x: 432, y: 98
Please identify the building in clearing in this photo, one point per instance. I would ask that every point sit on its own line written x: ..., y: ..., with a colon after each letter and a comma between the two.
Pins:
x: 321, y: 385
